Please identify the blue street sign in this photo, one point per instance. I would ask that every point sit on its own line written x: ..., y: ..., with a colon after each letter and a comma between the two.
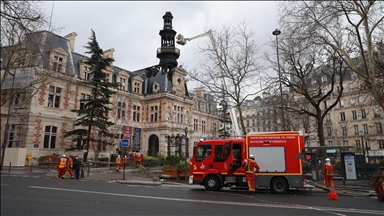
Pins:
x: 184, y: 137
x: 124, y: 142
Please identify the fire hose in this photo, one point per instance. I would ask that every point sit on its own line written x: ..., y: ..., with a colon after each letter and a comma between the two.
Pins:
x: 345, y: 191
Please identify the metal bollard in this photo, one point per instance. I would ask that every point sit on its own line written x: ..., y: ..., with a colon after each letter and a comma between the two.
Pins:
x: 89, y: 169
x: 31, y: 167
x: 10, y: 163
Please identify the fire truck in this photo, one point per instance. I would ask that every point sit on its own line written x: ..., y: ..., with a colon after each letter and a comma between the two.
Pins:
x: 217, y: 163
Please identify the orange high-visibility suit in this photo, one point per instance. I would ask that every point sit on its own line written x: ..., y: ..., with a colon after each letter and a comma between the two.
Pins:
x: 62, y: 163
x: 69, y: 167
x: 328, y: 175
x: 118, y: 163
x: 249, y: 166
x: 138, y: 159
x: 125, y: 162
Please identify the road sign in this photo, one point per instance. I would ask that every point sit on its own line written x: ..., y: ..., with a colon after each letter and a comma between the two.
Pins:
x: 184, y: 137
x: 124, y: 142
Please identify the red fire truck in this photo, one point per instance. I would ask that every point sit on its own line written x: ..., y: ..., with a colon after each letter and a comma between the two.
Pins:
x: 217, y: 163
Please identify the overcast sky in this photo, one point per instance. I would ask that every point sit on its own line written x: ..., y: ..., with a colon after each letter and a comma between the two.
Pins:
x: 132, y: 27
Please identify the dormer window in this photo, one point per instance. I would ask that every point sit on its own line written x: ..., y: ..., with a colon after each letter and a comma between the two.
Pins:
x: 57, y: 63
x: 86, y: 73
x: 122, y: 83
x: 136, y: 88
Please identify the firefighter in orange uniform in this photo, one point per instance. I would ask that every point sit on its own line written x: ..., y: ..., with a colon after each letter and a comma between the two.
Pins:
x: 61, y: 167
x: 69, y: 167
x: 125, y: 161
x: 118, y: 163
x: 250, y: 167
x: 328, y: 173
x: 138, y: 158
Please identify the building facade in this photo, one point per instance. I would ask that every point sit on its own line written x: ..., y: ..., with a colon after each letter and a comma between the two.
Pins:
x: 152, y: 108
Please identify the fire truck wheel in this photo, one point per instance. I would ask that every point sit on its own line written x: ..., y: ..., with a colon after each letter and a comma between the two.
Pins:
x: 211, y: 183
x: 279, y: 186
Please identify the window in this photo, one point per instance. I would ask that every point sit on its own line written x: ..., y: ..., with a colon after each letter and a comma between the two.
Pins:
x: 345, y: 143
x: 122, y: 83
x: 203, y: 151
x: 352, y: 101
x: 19, y: 98
x: 365, y: 128
x: 350, y: 87
x: 356, y: 129
x: 328, y: 117
x: 83, y: 140
x: 381, y: 144
x: 178, y: 114
x: 196, y: 125
x: 358, y: 146
x: 361, y: 99
x: 324, y: 79
x: 50, y: 136
x: 83, y: 100
x: 376, y: 112
x: 136, y: 88
x: 202, y: 126
x: 354, y: 115
x: 247, y: 123
x: 325, y: 104
x: 329, y: 131
x: 338, y: 89
x: 253, y: 122
x: 57, y: 63
x: 136, y: 113
x: 314, y: 82
x: 379, y: 128
x: 344, y: 131
x: 154, y: 113
x: 363, y: 115
x: 86, y: 73
x: 342, y: 116
x: 54, y: 97
x: 330, y: 143
x: 341, y: 103
x: 121, y: 110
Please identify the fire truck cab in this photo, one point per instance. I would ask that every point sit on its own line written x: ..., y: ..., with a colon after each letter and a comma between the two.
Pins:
x: 217, y: 163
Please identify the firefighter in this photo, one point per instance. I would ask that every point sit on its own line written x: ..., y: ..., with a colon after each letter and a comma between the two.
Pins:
x: 118, y: 163
x: 138, y: 158
x: 69, y: 167
x: 250, y: 167
x: 125, y: 161
x: 61, y: 167
x: 328, y: 173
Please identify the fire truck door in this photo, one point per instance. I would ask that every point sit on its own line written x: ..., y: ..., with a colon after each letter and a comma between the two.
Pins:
x: 224, y: 160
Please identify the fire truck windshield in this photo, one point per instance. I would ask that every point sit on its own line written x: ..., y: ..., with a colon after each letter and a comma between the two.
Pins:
x: 203, y: 151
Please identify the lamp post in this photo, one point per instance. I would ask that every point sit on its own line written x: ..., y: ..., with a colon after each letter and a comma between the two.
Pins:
x: 363, y: 146
x: 276, y: 33
x: 186, y: 153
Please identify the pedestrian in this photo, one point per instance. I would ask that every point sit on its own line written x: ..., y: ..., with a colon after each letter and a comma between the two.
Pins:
x: 250, y: 167
x: 118, y: 163
x: 76, y: 167
x: 69, y: 166
x: 61, y: 165
x: 328, y: 173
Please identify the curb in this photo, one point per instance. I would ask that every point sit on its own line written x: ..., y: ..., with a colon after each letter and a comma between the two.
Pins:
x: 139, y: 182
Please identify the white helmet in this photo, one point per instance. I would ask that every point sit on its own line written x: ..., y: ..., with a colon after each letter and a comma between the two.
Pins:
x: 252, y: 156
x: 64, y: 155
x: 327, y: 160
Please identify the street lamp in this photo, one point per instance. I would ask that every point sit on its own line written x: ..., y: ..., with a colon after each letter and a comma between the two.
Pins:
x: 363, y: 146
x: 277, y: 32
x: 186, y: 153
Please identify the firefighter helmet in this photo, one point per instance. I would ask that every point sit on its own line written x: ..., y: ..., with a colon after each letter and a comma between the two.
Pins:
x: 64, y: 155
x: 252, y: 156
x: 327, y: 160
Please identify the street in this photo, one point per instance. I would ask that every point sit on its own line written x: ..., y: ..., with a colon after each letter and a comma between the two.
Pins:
x: 51, y: 196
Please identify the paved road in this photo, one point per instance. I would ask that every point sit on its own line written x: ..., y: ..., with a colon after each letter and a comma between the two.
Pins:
x: 45, y: 195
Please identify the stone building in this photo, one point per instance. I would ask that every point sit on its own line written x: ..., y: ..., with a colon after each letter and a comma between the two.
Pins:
x: 356, y: 121
x: 153, y: 107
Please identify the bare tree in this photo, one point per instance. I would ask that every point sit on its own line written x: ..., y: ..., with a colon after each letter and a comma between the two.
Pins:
x: 314, y: 76
x: 351, y: 28
x: 21, y: 49
x: 230, y: 66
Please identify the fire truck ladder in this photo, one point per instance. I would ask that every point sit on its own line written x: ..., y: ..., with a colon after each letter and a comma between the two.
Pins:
x: 18, y: 116
x: 235, y: 125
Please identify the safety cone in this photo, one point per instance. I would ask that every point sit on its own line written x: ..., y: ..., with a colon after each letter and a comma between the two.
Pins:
x: 332, y: 194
